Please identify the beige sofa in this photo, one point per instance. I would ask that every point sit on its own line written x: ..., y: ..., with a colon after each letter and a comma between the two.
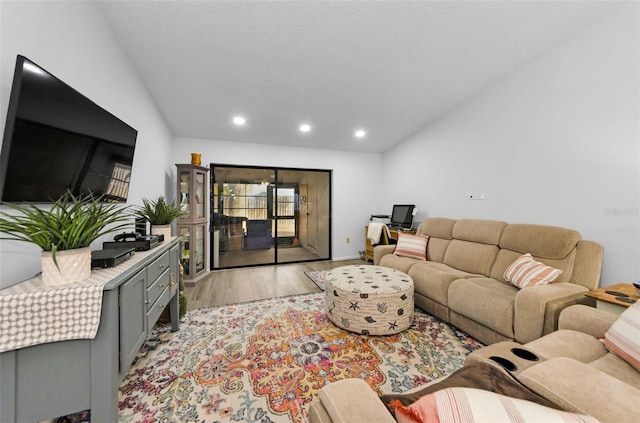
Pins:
x: 571, y: 369
x: 462, y: 280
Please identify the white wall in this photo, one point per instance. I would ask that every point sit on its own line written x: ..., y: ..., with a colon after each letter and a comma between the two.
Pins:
x: 356, y: 180
x: 73, y: 41
x: 555, y: 143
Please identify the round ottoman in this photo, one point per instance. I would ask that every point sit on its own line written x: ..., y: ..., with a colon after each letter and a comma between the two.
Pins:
x: 369, y: 300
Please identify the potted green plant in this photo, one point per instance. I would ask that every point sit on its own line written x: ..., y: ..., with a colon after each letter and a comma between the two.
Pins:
x: 160, y: 214
x: 64, y: 232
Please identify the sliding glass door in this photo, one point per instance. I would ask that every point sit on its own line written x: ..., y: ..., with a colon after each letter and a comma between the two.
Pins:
x: 264, y: 215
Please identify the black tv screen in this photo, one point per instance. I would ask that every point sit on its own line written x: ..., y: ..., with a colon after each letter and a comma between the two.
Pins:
x: 57, y: 140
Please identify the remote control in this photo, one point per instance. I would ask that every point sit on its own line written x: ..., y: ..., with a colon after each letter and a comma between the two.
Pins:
x: 616, y: 293
x: 626, y: 300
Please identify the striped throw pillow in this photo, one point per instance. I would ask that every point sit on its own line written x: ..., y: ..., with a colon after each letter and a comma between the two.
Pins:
x: 468, y: 405
x: 623, y: 337
x: 413, y: 246
x: 526, y: 271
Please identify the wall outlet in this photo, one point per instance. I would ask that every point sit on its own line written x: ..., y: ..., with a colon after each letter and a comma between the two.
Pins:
x: 475, y: 197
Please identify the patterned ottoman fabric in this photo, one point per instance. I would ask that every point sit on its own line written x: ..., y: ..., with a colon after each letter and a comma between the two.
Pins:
x: 370, y: 300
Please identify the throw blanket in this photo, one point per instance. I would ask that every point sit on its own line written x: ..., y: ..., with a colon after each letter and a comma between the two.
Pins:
x: 374, y: 232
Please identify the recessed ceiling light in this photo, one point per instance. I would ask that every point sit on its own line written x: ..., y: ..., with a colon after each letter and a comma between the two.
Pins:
x: 239, y: 120
x: 360, y: 133
x: 305, y: 127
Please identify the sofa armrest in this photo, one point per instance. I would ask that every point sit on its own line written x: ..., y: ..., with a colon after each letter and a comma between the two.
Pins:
x: 352, y: 400
x: 586, y: 319
x: 580, y: 388
x: 531, y: 303
x: 380, y: 251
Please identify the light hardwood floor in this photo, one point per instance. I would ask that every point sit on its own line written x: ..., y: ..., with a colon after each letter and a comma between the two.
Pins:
x: 233, y: 286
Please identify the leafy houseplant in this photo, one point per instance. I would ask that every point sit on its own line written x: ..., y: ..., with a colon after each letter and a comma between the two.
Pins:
x: 72, y: 222
x: 159, y: 212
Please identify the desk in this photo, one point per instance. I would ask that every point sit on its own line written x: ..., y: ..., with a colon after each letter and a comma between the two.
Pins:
x: 609, y: 302
x: 54, y: 379
x: 369, y: 248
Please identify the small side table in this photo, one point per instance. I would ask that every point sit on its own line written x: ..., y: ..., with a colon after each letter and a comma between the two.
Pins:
x: 608, y: 300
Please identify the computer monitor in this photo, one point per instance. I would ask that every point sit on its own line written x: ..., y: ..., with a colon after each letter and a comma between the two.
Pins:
x: 402, y: 216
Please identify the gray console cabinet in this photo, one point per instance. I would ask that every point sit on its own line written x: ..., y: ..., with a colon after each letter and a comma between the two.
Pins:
x: 58, y: 378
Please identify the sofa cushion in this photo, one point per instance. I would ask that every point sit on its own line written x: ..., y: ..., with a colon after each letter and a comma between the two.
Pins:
x: 479, y: 230
x: 541, y: 241
x: 412, y: 246
x: 568, y: 343
x: 468, y: 405
x: 485, y: 301
x: 472, y: 257
x: 437, y: 248
x: 614, y: 366
x: 433, y: 279
x: 623, y: 338
x: 439, y: 230
x: 437, y: 227
x: 580, y: 388
x: 525, y: 272
x: 474, y: 247
x: 402, y: 264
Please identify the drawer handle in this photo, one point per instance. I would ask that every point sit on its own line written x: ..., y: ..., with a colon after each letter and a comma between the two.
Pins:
x: 162, y: 265
x: 147, y: 302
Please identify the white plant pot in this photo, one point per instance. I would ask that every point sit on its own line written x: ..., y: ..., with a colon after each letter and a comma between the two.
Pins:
x: 73, y: 266
x: 161, y: 230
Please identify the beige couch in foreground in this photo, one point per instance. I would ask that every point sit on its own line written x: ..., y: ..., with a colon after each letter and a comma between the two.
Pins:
x: 572, y: 370
x: 462, y: 281
x: 578, y: 373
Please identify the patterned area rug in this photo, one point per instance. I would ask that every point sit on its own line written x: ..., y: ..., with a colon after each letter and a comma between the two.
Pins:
x: 265, y: 361
x: 318, y: 277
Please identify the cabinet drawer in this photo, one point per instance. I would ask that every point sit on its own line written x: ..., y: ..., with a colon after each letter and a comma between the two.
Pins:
x: 155, y: 290
x: 158, y: 266
x: 156, y: 309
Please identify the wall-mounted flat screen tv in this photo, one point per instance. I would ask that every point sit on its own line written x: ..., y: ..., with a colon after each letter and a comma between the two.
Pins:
x: 57, y: 140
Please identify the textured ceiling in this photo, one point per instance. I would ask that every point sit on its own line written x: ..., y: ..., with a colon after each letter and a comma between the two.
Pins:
x: 390, y: 67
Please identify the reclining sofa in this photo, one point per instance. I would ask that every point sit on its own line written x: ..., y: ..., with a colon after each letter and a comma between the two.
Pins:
x: 569, y: 369
x: 462, y: 279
